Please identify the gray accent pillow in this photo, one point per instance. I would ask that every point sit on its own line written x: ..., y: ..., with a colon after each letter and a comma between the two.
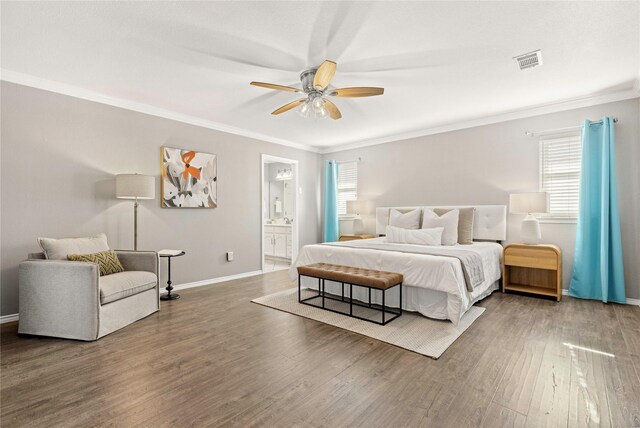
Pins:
x: 465, y: 223
x: 408, y: 220
x: 59, y: 249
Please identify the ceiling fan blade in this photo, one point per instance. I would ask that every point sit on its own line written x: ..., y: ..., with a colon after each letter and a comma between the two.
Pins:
x: 276, y: 87
x: 334, y: 113
x: 289, y: 106
x: 324, y: 74
x: 356, y: 92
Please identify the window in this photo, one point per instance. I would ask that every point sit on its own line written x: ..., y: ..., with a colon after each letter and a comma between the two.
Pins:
x: 347, y: 184
x: 560, y: 158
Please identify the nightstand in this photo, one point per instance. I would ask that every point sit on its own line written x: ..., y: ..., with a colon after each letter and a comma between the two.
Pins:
x: 354, y: 237
x: 533, y: 269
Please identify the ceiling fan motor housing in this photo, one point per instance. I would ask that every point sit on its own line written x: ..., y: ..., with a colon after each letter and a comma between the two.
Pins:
x: 306, y: 77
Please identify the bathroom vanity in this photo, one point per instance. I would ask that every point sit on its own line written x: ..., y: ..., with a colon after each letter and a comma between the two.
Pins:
x: 277, y: 240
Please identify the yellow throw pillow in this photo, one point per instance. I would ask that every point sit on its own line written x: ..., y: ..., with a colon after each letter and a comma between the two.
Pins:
x: 107, y: 261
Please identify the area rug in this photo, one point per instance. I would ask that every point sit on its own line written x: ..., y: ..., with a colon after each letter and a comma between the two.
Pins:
x: 411, y: 331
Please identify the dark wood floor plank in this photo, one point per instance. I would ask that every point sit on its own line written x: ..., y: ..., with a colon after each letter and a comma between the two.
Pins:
x: 629, y: 316
x: 213, y: 358
x: 623, y: 391
x: 477, y: 389
x: 588, y: 403
x: 549, y: 406
x: 632, y: 341
x: 347, y: 396
x: 501, y: 417
x: 516, y: 388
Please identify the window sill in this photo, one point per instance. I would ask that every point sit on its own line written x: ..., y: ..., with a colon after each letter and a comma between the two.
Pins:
x: 346, y: 217
x: 558, y: 220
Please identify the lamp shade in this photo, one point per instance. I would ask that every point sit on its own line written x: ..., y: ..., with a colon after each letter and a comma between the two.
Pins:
x: 132, y: 186
x: 358, y: 206
x: 528, y: 203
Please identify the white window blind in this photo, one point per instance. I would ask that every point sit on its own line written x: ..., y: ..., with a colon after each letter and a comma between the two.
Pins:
x: 560, y: 159
x: 347, y: 184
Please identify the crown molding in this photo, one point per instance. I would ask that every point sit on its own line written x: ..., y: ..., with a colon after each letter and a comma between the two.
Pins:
x: 85, y: 94
x: 77, y: 92
x: 488, y: 120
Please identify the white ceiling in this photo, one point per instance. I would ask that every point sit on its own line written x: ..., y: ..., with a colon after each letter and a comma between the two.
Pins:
x: 440, y: 63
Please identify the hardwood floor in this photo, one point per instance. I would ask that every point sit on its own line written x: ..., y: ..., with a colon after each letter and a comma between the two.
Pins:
x: 213, y: 358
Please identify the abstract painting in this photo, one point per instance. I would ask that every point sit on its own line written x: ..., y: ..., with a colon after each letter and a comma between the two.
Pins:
x: 189, y: 179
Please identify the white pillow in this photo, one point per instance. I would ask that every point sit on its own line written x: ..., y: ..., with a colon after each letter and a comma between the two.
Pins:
x: 409, y: 220
x: 448, y: 220
x: 58, y: 249
x: 398, y: 235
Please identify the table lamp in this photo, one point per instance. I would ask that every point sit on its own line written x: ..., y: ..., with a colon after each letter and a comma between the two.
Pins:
x: 357, y: 208
x: 529, y: 203
x: 135, y: 186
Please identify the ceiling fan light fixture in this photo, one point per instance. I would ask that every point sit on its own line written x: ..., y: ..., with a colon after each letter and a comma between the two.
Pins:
x: 322, y: 113
x: 314, y: 108
x: 305, y: 109
x: 318, y: 105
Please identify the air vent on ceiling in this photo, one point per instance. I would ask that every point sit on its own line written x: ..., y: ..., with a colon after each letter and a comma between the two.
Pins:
x: 529, y: 60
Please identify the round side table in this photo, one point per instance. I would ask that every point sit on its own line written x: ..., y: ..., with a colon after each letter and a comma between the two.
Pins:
x: 168, y: 295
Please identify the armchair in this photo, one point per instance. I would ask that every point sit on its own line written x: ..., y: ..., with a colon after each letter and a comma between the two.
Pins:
x: 69, y: 299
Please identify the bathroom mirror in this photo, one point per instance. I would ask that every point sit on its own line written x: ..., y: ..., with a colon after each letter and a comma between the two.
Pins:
x: 279, y: 198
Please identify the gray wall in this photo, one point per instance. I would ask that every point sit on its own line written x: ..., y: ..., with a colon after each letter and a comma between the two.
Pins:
x: 59, y: 157
x: 483, y: 165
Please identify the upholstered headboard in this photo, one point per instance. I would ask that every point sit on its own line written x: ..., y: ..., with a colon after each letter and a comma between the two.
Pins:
x: 489, y: 223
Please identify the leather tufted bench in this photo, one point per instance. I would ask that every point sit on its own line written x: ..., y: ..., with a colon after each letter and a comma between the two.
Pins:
x: 352, y: 276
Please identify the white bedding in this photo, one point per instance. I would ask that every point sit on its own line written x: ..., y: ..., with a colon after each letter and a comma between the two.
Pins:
x: 435, y: 285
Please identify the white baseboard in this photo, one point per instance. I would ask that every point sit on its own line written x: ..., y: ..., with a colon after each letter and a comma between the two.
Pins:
x: 214, y: 280
x: 8, y: 318
x: 635, y: 302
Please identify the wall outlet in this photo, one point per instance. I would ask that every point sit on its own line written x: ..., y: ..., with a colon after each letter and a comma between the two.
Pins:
x: 230, y: 256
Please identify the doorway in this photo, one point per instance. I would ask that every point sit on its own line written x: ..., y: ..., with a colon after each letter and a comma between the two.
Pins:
x: 279, y: 214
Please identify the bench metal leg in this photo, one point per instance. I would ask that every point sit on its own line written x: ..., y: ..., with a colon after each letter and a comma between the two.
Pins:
x: 323, y: 294
x: 299, y: 290
x: 400, y: 298
x: 369, y: 296
x: 383, y: 293
x: 343, y: 291
x: 351, y: 299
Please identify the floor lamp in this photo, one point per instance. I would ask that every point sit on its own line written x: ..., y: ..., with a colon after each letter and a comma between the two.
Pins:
x: 135, y: 186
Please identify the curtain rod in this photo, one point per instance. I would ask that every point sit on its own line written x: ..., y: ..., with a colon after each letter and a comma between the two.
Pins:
x: 568, y: 128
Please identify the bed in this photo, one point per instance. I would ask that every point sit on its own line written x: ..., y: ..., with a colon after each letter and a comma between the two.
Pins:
x: 434, y: 285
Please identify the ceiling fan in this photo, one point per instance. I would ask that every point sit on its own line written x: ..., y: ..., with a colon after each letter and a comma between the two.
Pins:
x: 315, y: 84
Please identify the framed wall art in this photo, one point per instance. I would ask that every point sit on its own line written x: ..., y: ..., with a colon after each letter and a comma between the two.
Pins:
x: 189, y: 179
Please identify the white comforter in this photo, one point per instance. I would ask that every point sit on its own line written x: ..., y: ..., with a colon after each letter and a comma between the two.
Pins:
x: 423, y: 271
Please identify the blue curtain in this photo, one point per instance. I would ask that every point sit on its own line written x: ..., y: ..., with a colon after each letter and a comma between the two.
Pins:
x: 597, y: 266
x: 330, y: 201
